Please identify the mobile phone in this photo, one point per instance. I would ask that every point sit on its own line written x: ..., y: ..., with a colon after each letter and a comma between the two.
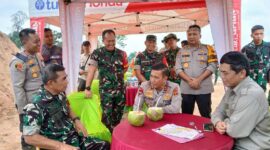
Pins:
x: 209, y: 127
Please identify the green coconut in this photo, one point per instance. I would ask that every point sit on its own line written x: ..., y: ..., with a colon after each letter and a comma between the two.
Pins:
x: 155, y: 113
x: 136, y: 118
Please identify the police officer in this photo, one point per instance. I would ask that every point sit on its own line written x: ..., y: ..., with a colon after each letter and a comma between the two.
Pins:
x: 159, y: 91
x: 170, y: 55
x: 25, y: 71
x: 50, y: 52
x: 145, y: 60
x: 49, y: 122
x: 112, y: 63
x: 258, y: 54
x: 195, y: 65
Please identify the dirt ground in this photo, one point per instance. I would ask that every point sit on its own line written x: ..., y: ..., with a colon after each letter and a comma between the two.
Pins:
x: 10, y: 135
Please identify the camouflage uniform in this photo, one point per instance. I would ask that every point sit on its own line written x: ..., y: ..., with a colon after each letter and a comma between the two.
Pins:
x: 170, y: 56
x: 112, y: 66
x: 52, y: 55
x: 48, y: 116
x: 170, y: 97
x: 259, y: 59
x: 145, y: 60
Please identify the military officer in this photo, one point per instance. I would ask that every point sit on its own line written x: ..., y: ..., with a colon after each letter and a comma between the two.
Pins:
x: 159, y: 91
x: 50, y: 52
x: 166, y: 46
x: 258, y: 54
x: 112, y: 63
x: 195, y: 65
x: 49, y: 123
x: 145, y: 60
x: 25, y: 69
x: 170, y: 56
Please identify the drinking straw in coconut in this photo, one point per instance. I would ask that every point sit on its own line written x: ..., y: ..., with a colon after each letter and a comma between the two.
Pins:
x: 158, y: 100
x: 138, y: 109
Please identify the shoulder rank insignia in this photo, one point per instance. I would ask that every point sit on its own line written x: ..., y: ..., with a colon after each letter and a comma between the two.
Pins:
x: 166, y: 96
x: 149, y: 93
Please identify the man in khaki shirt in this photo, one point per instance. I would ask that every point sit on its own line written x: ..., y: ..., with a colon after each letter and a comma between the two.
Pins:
x: 159, y: 90
x: 243, y: 112
x: 195, y: 64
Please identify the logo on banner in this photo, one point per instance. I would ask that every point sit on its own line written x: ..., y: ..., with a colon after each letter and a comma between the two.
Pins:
x: 108, y: 4
x: 50, y: 5
x: 39, y: 4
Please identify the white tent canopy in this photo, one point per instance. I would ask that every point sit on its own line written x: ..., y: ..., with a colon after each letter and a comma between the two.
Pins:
x: 81, y: 16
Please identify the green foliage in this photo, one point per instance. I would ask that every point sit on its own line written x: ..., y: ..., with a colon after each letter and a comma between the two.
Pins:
x: 18, y: 20
x: 121, y: 40
x: 131, y: 56
x: 14, y: 37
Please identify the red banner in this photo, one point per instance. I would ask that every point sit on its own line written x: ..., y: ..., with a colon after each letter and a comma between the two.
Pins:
x: 236, y: 20
x: 38, y: 25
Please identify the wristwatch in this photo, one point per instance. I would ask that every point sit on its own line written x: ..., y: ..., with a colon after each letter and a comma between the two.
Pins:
x: 76, y: 118
x: 88, y: 88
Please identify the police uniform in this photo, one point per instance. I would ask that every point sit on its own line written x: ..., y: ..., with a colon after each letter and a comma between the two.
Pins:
x: 245, y: 111
x: 169, y: 98
x: 26, y: 79
x: 170, y: 56
x: 194, y: 61
x: 111, y: 66
x: 48, y: 116
x: 145, y: 60
x: 52, y: 55
x: 259, y: 60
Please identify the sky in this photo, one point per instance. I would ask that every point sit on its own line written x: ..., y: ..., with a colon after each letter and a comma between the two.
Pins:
x: 253, y: 12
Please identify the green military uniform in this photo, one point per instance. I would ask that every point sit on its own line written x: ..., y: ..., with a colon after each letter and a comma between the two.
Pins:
x: 111, y: 67
x: 170, y: 56
x: 259, y: 59
x: 48, y: 116
x: 145, y: 60
x: 169, y: 98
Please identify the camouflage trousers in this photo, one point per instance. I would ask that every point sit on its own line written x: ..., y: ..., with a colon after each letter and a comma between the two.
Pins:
x: 24, y: 145
x: 113, y: 108
x: 88, y: 143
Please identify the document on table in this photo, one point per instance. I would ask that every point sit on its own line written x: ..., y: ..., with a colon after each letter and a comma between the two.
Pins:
x: 177, y: 131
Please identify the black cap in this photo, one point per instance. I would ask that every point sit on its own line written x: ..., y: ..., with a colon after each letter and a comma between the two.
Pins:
x: 164, y: 39
x: 86, y: 43
x: 256, y: 27
x: 151, y: 38
x: 170, y: 36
